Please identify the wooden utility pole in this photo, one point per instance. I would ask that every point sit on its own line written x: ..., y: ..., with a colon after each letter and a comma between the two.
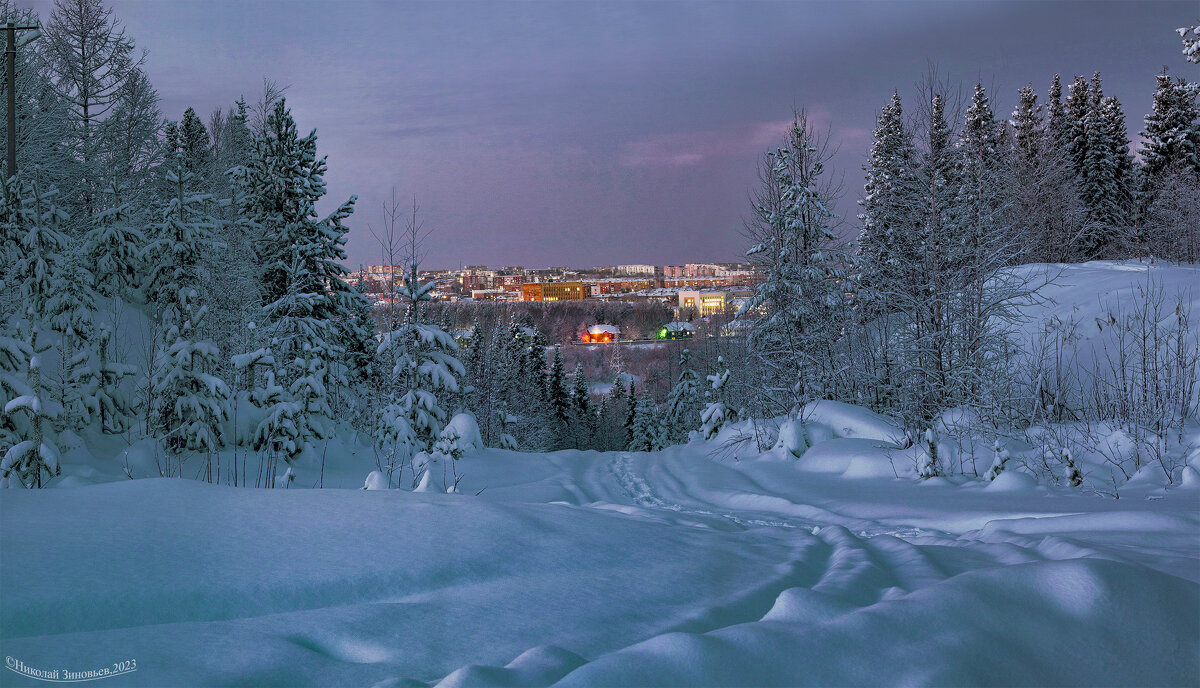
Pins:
x: 10, y: 55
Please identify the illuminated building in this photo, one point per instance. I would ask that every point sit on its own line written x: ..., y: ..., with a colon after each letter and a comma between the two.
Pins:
x: 703, y: 302
x: 677, y: 330
x: 600, y: 334
x: 553, y: 291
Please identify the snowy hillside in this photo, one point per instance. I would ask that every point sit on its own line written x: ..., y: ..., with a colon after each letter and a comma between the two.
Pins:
x: 1089, y: 293
x: 822, y: 561
x: 607, y: 569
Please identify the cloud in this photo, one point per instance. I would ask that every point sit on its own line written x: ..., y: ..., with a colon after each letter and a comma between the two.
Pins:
x: 693, y: 148
x: 670, y: 151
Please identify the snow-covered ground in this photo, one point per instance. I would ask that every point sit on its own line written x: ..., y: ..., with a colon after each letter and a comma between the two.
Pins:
x: 678, y: 567
x: 699, y: 564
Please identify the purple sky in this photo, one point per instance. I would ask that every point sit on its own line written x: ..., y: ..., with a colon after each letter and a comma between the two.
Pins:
x: 582, y: 134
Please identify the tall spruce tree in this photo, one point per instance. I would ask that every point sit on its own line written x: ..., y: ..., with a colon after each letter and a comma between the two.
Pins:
x: 197, y: 150
x: 647, y: 427
x: 683, y: 404
x: 803, y: 296
x: 559, y: 400
x: 1057, y: 127
x: 299, y: 252
x: 889, y: 201
x: 191, y: 402
x: 1046, y: 213
x: 583, y: 415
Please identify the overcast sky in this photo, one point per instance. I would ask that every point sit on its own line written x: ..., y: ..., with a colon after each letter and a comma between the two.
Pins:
x: 576, y: 133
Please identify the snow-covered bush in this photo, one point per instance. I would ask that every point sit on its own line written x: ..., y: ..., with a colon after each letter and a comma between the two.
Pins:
x: 793, y: 437
x: 717, y: 413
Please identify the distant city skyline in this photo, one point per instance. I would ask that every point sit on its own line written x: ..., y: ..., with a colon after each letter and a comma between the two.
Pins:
x: 591, y: 134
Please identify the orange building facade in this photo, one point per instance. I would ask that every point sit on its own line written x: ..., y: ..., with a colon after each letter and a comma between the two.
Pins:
x: 553, y: 291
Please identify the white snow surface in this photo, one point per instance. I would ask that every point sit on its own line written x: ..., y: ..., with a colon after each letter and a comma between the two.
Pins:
x: 679, y: 567
x: 695, y: 565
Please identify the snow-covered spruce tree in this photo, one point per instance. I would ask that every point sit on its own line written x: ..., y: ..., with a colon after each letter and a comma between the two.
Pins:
x: 647, y: 426
x: 1170, y: 173
x: 803, y: 295
x: 888, y: 197
x: 604, y: 421
x: 14, y: 383
x: 1057, y: 127
x: 14, y: 351
x: 361, y: 392
x: 478, y: 394
x: 1112, y: 115
x: 1191, y: 42
x: 1026, y: 124
x: 717, y: 413
x: 300, y: 346
x: 521, y: 388
x: 1000, y: 457
x: 32, y: 218
x: 235, y: 301
x: 920, y: 289
x: 1172, y: 128
x: 890, y: 220
x: 928, y: 465
x: 34, y: 451
x: 683, y: 404
x: 196, y: 147
x: 113, y: 409
x: 192, y: 402
x: 71, y: 316
x: 189, y: 400
x: 1078, y: 113
x: 426, y: 366
x: 539, y: 431
x: 558, y: 398
x: 630, y: 414
x: 909, y: 272
x: 1074, y: 476
x: 612, y: 434
x: 279, y: 433
x: 506, y: 360
x: 178, y: 240
x: 583, y: 415
x: 505, y: 440
x: 1103, y: 167
x: 1046, y: 212
x: 114, y: 246
x: 299, y: 252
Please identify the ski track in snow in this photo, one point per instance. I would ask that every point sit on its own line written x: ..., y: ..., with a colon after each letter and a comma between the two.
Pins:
x: 640, y: 492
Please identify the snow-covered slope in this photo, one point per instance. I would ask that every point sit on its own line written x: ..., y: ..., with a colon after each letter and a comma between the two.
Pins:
x: 1086, y: 294
x: 679, y: 567
x: 699, y: 564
